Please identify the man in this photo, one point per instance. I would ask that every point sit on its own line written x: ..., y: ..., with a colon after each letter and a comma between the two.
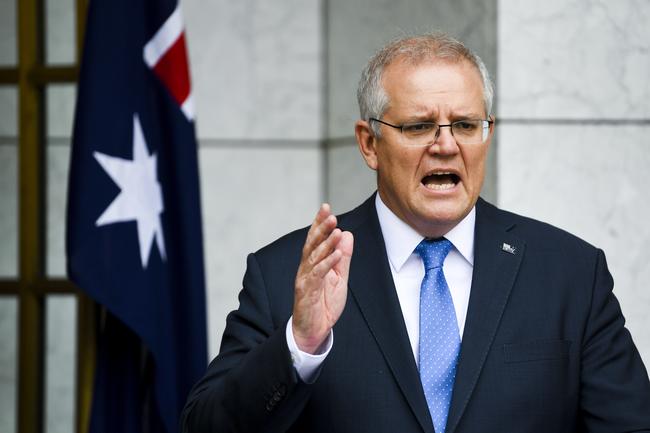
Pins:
x: 426, y: 308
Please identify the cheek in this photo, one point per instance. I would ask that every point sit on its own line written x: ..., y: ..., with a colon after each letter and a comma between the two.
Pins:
x: 397, y: 163
x: 397, y: 167
x: 405, y: 169
x: 475, y: 166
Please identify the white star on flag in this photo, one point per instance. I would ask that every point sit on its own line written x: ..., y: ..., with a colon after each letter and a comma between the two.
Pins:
x: 140, y: 198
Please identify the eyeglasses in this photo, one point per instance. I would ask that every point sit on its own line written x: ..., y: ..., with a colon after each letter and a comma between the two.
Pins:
x: 467, y: 131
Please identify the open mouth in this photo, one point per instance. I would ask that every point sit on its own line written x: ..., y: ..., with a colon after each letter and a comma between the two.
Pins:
x: 440, y: 181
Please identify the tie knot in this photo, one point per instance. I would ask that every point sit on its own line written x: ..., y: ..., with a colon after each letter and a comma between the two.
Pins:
x: 433, y: 252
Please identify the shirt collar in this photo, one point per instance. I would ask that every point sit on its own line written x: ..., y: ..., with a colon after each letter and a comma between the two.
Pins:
x: 401, y: 239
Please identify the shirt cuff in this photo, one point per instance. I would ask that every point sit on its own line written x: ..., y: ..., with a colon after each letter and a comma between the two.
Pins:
x: 306, y: 364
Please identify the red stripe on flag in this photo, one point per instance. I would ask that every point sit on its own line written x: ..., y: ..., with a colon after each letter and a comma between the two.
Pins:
x: 173, y: 71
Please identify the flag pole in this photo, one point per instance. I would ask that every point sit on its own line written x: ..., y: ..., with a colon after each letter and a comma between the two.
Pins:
x: 86, y: 356
x: 86, y: 307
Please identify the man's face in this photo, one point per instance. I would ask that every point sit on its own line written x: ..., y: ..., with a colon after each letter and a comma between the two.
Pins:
x: 432, y: 188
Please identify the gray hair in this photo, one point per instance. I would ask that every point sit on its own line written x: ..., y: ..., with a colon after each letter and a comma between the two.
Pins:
x: 372, y: 98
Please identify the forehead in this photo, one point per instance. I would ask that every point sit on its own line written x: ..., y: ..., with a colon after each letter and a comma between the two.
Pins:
x: 433, y: 86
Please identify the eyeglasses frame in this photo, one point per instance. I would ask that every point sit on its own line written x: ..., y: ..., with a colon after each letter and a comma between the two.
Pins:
x: 450, y: 126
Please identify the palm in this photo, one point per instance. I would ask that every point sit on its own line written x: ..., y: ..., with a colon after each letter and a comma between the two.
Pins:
x: 335, y: 292
x: 321, y: 281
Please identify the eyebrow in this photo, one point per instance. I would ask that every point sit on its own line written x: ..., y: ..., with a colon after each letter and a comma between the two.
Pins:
x: 469, y: 116
x: 454, y: 118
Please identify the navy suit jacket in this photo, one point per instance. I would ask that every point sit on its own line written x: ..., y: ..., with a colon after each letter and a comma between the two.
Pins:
x: 544, y: 347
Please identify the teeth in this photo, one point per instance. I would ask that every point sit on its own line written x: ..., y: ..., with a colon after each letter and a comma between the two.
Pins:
x: 440, y: 187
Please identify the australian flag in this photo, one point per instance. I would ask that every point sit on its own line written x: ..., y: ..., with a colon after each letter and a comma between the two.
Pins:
x: 134, y: 241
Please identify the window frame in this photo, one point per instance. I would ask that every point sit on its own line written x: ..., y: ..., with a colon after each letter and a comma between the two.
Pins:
x: 31, y: 76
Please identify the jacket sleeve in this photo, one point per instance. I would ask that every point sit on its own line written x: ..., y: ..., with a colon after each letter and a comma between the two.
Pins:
x: 251, y: 386
x: 615, y: 391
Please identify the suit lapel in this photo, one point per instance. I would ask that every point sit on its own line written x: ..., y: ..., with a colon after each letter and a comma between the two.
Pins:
x: 371, y: 286
x: 497, y: 256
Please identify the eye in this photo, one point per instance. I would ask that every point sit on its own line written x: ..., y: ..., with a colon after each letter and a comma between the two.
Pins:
x: 418, y: 128
x: 465, y: 125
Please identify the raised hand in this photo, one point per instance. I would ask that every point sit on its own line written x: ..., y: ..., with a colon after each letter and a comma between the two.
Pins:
x: 321, y: 282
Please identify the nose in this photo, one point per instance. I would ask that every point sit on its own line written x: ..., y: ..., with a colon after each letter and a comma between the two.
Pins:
x: 444, y: 142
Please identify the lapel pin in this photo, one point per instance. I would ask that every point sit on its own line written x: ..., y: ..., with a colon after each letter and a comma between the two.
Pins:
x: 508, y: 248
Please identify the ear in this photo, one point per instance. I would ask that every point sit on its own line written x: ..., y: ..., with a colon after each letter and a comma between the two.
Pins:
x: 494, y: 122
x: 367, y: 143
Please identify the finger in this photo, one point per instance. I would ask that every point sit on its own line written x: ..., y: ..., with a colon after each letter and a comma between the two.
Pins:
x: 346, y: 246
x: 317, y: 235
x: 325, y: 248
x: 323, y: 212
x: 339, y: 256
x: 324, y: 266
x: 321, y: 228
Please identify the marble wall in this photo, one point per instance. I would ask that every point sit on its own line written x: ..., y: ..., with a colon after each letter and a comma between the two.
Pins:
x: 256, y: 68
x: 246, y: 194
x: 574, y: 137
x: 257, y: 82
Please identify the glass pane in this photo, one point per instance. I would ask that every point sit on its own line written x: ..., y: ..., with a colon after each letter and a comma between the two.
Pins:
x: 8, y: 183
x: 8, y: 41
x: 8, y: 372
x: 60, y: 112
x: 60, y: 31
x: 60, y: 363
x: 8, y: 111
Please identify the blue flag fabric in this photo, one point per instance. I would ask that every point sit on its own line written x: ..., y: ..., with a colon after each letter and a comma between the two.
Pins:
x: 134, y: 241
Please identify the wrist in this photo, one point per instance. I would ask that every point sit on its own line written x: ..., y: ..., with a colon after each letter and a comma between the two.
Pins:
x: 313, y: 344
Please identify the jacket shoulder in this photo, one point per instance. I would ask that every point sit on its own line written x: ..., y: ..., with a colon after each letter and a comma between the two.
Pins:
x: 536, y: 233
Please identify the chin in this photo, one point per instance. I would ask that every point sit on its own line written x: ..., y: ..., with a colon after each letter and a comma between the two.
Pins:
x: 439, y: 221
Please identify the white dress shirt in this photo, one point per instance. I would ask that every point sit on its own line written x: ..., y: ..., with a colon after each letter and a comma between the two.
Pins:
x: 408, y: 271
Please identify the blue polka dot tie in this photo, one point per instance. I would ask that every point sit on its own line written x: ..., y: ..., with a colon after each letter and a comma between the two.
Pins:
x: 439, y: 336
